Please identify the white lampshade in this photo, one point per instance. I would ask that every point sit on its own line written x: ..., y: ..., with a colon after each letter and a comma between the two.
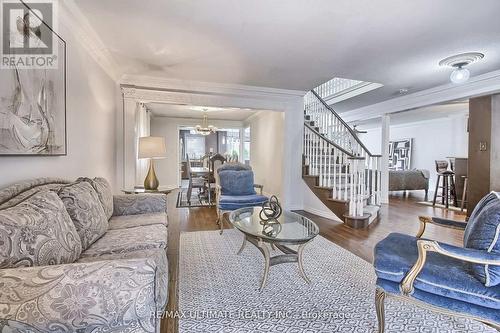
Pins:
x: 152, y: 147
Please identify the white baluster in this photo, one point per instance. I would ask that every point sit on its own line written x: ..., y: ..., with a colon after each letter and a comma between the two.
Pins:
x: 346, y: 177
x: 320, y: 161
x: 352, y: 203
x: 329, y: 150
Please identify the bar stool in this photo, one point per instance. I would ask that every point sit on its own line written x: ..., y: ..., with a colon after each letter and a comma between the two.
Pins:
x: 448, y: 184
x: 464, y: 194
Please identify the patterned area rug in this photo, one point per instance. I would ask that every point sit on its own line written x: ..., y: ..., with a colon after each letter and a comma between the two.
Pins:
x: 196, y: 201
x: 218, y: 292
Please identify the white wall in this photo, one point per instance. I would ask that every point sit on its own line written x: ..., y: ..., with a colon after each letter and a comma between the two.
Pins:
x: 267, y: 135
x: 90, y: 112
x: 168, y: 169
x: 432, y: 140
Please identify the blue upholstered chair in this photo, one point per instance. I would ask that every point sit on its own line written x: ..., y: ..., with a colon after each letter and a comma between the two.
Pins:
x: 235, y: 189
x: 464, y: 281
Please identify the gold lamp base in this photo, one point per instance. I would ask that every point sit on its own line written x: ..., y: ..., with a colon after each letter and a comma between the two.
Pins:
x: 151, y: 183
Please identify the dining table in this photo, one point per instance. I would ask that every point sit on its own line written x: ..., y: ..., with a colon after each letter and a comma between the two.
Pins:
x: 205, y: 173
x: 200, y: 171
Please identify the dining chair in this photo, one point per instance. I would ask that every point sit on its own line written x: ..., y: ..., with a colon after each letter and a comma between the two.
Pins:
x: 214, y: 163
x: 193, y: 182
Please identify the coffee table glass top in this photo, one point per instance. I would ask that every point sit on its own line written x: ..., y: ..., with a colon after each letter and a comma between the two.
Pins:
x: 288, y: 228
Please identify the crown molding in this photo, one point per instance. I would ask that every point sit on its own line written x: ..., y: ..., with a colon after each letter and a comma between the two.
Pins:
x: 75, y: 21
x: 206, y: 99
x: 252, y: 116
x: 484, y: 84
x: 168, y: 84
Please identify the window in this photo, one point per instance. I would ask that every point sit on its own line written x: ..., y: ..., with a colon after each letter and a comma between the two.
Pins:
x: 195, y: 146
x: 246, y: 145
x: 233, y: 143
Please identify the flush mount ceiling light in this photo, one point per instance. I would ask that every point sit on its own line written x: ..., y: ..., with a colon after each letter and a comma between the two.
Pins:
x: 458, y: 62
x: 205, y: 128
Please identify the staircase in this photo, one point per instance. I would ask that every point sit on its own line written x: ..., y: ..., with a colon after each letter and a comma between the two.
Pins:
x: 337, y: 167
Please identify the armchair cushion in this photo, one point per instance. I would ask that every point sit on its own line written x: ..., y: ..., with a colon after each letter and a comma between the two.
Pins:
x: 85, y: 210
x: 441, y: 275
x: 483, y: 233
x: 38, y: 232
x: 235, y: 183
x: 230, y: 202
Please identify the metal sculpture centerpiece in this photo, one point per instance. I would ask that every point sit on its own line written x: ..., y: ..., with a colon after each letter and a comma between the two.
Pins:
x: 270, y: 227
x: 271, y: 209
x: 270, y: 212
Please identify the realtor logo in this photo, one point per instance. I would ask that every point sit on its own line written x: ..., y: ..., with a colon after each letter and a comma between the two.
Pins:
x: 27, y: 36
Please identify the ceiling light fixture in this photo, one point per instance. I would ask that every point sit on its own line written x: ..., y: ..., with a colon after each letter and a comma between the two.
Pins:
x: 458, y: 62
x: 205, y: 128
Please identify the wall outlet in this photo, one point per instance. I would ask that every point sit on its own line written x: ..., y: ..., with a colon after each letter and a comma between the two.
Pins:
x: 482, y: 146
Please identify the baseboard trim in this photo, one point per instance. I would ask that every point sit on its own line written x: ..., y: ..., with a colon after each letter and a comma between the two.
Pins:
x: 322, y: 213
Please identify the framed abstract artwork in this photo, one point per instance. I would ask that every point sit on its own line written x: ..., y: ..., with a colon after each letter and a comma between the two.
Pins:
x: 33, y: 102
x: 400, y: 154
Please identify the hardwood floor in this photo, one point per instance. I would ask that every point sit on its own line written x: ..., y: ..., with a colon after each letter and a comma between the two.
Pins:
x: 400, y: 215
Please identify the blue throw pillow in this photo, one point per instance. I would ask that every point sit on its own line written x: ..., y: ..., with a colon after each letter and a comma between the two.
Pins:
x: 236, y: 182
x: 483, y: 233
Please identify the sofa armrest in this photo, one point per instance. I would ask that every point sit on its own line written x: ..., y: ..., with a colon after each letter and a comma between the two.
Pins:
x: 133, y: 204
x: 460, y: 253
x: 104, y: 295
x: 441, y: 222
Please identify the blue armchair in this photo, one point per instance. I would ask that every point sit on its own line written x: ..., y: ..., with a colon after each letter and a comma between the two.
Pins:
x: 235, y: 189
x: 464, y: 281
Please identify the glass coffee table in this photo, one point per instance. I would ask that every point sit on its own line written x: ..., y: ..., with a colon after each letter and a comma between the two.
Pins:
x: 289, y: 229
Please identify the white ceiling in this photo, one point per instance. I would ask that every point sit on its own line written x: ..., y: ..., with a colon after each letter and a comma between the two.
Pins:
x: 196, y: 112
x: 298, y: 44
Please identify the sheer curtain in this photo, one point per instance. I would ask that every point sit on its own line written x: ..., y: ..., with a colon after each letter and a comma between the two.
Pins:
x: 142, y: 128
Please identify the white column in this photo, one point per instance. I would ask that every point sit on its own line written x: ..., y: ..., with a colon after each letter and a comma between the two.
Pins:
x: 129, y: 142
x: 142, y: 128
x: 242, y: 145
x: 385, y: 158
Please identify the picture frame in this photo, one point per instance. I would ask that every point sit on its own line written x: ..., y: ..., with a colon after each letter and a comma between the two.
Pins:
x: 33, y: 110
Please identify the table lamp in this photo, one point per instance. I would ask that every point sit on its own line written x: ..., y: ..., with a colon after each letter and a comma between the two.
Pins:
x: 152, y: 147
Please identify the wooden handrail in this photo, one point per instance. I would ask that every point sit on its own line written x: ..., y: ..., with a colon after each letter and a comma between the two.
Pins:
x: 344, y: 123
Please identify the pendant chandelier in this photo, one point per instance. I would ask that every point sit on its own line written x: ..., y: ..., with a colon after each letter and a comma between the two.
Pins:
x: 205, y: 128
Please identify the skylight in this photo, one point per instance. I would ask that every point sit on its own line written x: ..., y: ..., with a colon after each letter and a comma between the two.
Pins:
x: 339, y: 89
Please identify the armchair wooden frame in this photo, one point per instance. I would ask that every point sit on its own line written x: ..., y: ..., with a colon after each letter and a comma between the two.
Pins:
x: 220, y: 212
x: 406, y: 286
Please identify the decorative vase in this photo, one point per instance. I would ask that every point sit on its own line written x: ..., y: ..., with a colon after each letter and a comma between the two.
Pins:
x: 151, y: 183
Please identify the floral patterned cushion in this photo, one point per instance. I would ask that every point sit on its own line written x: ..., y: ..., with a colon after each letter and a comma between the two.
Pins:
x: 126, y: 204
x: 131, y: 221
x: 104, y: 192
x: 85, y: 210
x: 159, y: 256
x: 130, y: 239
x: 37, y: 232
x: 14, y: 194
x: 116, y: 296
